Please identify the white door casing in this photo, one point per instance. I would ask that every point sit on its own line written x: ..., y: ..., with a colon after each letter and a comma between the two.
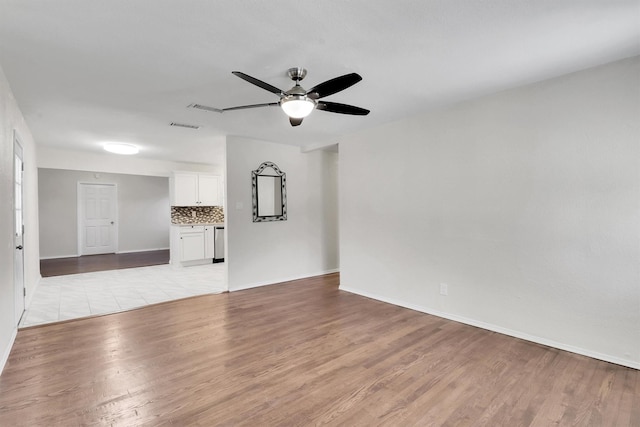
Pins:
x: 18, y: 257
x: 97, y: 214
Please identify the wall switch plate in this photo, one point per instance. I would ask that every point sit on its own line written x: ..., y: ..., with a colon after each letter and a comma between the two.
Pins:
x: 444, y: 289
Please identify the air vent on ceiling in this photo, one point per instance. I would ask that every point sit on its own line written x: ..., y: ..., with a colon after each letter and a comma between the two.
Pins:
x: 184, y: 125
x: 204, y: 107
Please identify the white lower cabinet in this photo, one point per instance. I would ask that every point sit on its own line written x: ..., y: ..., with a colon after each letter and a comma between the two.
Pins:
x: 192, y: 244
x: 209, y: 241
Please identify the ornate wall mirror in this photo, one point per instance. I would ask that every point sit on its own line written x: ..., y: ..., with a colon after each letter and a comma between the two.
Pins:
x: 269, y: 191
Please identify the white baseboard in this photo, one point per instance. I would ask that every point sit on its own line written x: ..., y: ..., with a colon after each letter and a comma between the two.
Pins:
x: 141, y: 250
x: 7, y: 351
x: 59, y: 256
x: 276, y: 281
x: 204, y: 261
x: 495, y: 328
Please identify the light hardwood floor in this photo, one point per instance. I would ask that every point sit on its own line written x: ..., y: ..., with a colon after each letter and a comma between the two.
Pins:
x: 301, y: 353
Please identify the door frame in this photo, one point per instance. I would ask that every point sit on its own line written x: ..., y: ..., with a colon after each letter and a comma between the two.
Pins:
x: 20, y: 294
x: 80, y: 214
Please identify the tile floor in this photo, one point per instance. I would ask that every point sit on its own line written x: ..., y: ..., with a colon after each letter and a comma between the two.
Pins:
x: 88, y: 294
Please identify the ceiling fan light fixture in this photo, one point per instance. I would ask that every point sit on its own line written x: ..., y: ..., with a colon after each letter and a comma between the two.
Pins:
x: 121, y: 148
x: 297, y: 103
x: 297, y: 106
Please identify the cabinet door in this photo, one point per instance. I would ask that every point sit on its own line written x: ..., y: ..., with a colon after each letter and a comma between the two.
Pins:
x: 192, y: 246
x: 185, y: 190
x: 209, y: 241
x: 208, y: 190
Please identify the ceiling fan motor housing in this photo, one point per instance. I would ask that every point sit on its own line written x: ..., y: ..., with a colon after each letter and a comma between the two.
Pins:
x: 297, y: 73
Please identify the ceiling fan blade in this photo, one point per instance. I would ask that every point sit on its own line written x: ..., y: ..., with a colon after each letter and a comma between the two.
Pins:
x: 295, y: 122
x: 259, y: 83
x: 245, y: 107
x: 333, y: 86
x: 334, y: 107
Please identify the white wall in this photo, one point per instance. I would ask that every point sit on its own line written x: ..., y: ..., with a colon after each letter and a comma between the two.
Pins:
x: 144, y: 213
x: 304, y: 245
x: 133, y: 235
x: 55, y: 158
x: 11, y: 118
x: 525, y: 203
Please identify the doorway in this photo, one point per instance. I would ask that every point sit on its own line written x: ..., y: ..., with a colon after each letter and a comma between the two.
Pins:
x: 18, y: 254
x: 97, y: 213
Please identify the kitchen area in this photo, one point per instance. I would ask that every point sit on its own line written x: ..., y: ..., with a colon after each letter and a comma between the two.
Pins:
x: 197, y: 219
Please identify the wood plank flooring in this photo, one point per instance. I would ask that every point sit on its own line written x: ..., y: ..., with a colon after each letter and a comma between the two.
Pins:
x: 298, y: 354
x: 90, y: 263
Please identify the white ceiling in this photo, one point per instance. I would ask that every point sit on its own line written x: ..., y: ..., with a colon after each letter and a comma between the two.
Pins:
x: 89, y: 71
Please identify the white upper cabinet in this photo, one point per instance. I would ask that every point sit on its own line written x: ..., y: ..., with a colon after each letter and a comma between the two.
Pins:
x: 185, y: 190
x: 195, y: 189
x: 208, y: 193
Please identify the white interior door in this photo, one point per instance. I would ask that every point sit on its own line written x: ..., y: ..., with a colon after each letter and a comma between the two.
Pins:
x: 97, y: 214
x: 18, y: 257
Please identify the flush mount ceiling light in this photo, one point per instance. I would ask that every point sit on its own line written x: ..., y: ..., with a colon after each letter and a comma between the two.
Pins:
x: 121, y: 148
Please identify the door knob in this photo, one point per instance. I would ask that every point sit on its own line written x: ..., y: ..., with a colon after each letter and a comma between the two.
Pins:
x: 19, y: 247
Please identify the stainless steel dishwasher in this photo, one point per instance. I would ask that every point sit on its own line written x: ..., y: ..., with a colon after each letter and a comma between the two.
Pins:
x: 218, y: 244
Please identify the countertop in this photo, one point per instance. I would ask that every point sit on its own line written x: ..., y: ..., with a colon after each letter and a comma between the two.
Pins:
x: 198, y: 223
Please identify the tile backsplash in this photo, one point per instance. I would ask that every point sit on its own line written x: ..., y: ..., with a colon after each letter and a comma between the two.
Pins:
x: 204, y: 214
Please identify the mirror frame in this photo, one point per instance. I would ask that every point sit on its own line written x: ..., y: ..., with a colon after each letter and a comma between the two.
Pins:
x: 254, y: 192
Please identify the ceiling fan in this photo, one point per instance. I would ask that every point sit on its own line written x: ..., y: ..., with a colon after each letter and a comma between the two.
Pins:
x: 298, y: 103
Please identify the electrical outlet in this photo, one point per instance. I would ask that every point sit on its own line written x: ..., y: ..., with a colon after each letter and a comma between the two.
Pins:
x: 193, y: 214
x: 444, y: 289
